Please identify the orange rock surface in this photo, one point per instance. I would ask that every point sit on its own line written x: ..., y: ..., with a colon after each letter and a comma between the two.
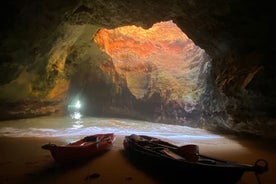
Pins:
x: 159, y: 59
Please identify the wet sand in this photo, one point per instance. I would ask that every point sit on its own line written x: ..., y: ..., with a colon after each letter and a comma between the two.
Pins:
x: 23, y: 161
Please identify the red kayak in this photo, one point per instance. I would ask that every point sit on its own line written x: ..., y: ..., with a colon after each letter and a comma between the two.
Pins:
x: 84, y: 148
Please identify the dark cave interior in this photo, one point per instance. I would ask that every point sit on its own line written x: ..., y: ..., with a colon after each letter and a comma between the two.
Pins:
x: 55, y: 51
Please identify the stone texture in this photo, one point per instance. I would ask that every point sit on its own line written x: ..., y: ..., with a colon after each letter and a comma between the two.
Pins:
x: 160, y: 61
x: 45, y: 44
x: 155, y: 60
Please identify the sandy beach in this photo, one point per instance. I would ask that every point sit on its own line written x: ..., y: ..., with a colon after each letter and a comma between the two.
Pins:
x: 23, y: 161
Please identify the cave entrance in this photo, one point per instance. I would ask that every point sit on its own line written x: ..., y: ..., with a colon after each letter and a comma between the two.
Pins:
x: 158, y: 72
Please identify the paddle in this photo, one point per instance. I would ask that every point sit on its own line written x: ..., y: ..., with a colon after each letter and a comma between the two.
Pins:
x: 190, y: 152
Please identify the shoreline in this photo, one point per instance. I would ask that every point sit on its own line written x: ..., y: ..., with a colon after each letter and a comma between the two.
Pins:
x: 23, y: 161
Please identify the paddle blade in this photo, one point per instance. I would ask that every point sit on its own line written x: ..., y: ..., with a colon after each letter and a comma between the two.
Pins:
x: 190, y: 152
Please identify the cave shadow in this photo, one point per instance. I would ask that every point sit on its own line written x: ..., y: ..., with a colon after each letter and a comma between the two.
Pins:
x: 167, y: 173
x: 49, y: 172
x: 254, y: 141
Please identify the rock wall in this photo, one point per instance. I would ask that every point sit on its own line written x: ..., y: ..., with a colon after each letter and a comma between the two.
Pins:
x: 47, y: 51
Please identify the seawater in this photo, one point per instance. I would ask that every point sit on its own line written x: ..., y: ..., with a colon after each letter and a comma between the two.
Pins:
x: 66, y: 126
x: 71, y: 128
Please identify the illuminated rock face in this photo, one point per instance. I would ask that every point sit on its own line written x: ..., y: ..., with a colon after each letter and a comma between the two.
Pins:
x: 160, y: 60
x: 47, y: 56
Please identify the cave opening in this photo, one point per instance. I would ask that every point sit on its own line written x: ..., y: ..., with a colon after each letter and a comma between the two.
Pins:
x: 51, y: 64
x: 155, y: 74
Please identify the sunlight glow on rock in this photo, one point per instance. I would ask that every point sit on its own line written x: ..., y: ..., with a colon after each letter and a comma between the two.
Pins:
x: 155, y: 60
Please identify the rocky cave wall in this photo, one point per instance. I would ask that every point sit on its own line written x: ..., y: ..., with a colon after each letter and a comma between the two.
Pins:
x: 47, y: 50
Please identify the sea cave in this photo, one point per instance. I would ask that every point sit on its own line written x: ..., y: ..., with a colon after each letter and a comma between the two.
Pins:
x: 196, y: 64
x: 206, y: 65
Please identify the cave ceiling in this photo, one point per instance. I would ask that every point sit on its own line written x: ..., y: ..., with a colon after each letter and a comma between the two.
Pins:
x: 47, y: 49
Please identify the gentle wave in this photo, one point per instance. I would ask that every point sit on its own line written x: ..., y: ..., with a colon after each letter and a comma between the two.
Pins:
x: 66, y: 127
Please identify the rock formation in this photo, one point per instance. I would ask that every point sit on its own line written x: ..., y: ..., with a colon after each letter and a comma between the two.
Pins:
x: 53, y: 52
